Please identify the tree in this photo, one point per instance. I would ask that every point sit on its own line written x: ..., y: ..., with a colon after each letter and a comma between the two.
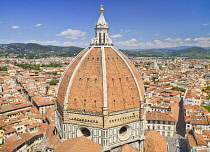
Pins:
x: 178, y: 89
x: 207, y: 107
x: 4, y: 68
x: 53, y: 82
x: 47, y: 88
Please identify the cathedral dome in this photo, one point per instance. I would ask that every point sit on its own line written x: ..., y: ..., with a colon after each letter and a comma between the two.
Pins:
x: 100, y: 77
x: 100, y: 96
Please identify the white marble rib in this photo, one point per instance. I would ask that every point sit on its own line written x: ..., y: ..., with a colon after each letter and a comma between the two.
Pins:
x: 139, y: 91
x: 104, y: 77
x: 72, y: 78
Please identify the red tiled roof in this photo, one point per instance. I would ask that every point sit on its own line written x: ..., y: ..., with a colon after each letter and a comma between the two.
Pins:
x: 79, y: 144
x: 15, y: 106
x: 159, y: 116
x: 128, y: 148
x: 200, y: 140
x: 154, y: 142
x: 53, y: 142
x: 40, y: 101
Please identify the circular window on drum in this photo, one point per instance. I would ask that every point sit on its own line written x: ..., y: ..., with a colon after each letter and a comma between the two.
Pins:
x: 124, y: 132
x: 83, y: 131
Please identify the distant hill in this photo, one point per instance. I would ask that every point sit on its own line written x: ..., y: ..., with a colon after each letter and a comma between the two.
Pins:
x: 193, y: 52
x: 33, y: 50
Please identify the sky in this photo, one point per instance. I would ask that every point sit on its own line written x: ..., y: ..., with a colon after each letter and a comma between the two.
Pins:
x: 133, y: 24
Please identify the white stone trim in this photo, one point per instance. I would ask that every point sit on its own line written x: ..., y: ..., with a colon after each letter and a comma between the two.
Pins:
x: 68, y: 68
x: 72, y: 77
x: 139, y: 91
x: 105, y: 104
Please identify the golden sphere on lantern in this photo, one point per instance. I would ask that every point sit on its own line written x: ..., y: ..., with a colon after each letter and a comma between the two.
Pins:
x: 101, y: 10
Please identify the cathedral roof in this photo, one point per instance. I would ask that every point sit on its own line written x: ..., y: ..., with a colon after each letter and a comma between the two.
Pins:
x: 127, y: 148
x: 154, y: 142
x: 79, y: 144
x: 100, y: 77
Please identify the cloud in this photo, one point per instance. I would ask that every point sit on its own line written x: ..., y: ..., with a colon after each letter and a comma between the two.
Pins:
x: 157, y: 34
x: 187, y: 39
x: 173, y: 40
x: 72, y: 34
x: 208, y: 34
x: 168, y: 39
x: 1, y: 22
x: 168, y: 42
x: 132, y: 42
x: 15, y: 27
x: 81, y: 44
x: 124, y: 31
x: 38, y: 25
x: 205, y: 24
x: 71, y: 37
x: 54, y: 42
x: 202, y: 39
x: 116, y: 36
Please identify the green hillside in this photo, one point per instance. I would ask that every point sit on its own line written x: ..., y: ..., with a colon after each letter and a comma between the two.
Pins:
x: 32, y: 50
x: 193, y: 52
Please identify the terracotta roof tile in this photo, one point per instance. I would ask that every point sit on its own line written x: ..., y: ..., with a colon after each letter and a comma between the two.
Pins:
x: 86, y: 91
x: 79, y: 144
x: 154, y: 142
x: 159, y: 116
x: 128, y: 148
x: 53, y: 142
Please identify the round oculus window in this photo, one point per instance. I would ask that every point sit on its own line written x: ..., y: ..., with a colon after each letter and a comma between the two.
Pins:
x: 124, y: 132
x: 83, y: 131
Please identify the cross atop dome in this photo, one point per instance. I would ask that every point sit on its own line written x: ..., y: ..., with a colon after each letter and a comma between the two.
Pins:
x: 101, y: 36
x: 102, y: 9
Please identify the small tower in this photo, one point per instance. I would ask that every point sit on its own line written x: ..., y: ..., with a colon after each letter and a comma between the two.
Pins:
x: 101, y: 28
x: 100, y: 96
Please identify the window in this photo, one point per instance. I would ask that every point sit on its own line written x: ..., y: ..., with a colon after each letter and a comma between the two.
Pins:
x: 124, y: 132
x: 85, y: 132
x: 163, y: 133
x: 168, y: 134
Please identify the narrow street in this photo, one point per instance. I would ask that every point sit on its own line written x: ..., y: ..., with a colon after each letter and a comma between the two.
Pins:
x: 180, y: 128
x: 179, y: 139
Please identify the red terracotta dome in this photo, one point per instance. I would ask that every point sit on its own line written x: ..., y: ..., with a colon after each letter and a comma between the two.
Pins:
x: 100, y: 77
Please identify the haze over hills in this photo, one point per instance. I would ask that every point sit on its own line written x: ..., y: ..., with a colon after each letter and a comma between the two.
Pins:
x: 33, y: 50
x: 172, y: 48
